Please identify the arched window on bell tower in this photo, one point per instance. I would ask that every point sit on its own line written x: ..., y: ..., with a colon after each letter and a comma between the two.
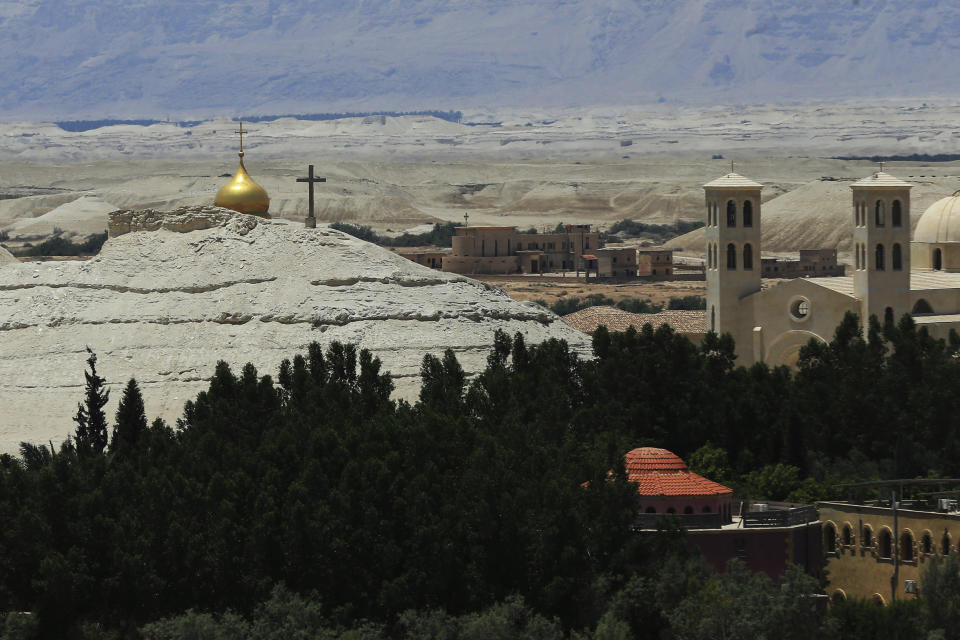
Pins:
x: 896, y: 214
x: 731, y: 257
x: 731, y: 213
x: 896, y: 258
x: 747, y: 257
x: 878, y: 213
x: 747, y: 214
x: 878, y: 258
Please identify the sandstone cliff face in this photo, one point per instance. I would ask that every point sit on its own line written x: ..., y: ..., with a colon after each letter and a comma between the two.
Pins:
x: 172, y: 293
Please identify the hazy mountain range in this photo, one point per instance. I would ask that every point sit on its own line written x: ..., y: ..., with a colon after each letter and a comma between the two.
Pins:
x: 199, y: 58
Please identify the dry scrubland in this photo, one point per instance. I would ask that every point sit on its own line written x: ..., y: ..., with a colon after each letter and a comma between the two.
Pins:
x: 523, y: 289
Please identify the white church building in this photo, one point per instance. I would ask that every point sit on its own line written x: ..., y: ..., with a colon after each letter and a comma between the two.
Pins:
x: 891, y: 276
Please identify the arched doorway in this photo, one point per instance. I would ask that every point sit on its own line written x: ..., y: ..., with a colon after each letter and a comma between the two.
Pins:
x: 785, y: 349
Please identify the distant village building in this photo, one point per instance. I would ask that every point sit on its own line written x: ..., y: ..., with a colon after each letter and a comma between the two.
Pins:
x: 617, y: 262
x: 503, y: 250
x: 428, y: 257
x: 657, y: 264
x: 768, y: 537
x: 812, y: 263
x: 772, y: 325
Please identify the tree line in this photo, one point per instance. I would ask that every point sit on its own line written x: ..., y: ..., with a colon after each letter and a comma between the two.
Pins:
x: 498, y: 502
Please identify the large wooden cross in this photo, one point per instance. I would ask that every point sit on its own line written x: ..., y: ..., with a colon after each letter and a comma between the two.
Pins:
x: 311, y: 221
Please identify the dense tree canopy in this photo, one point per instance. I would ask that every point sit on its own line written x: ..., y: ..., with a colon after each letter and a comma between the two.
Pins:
x: 486, y: 500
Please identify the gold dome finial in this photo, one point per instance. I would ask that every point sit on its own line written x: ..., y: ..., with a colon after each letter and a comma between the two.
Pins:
x: 242, y: 194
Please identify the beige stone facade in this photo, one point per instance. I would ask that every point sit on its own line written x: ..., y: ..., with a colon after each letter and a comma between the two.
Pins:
x: 503, y: 250
x: 869, y: 555
x: 772, y: 325
x: 657, y: 264
x: 617, y: 262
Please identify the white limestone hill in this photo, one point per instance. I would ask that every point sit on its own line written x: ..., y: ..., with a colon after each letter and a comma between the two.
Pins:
x: 818, y: 214
x: 6, y: 257
x: 84, y: 216
x: 170, y: 294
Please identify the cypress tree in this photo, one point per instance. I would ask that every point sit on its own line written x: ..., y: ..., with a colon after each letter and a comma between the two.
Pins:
x: 91, y: 433
x: 131, y: 420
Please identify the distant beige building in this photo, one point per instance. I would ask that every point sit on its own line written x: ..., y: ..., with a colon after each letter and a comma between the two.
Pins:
x: 617, y: 262
x: 771, y: 325
x: 428, y: 257
x: 503, y: 250
x: 657, y: 264
x: 812, y: 263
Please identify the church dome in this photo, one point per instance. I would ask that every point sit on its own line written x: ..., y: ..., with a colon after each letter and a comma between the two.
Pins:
x: 243, y: 194
x: 940, y: 222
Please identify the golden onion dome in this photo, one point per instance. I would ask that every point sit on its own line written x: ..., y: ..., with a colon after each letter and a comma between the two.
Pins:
x: 244, y: 195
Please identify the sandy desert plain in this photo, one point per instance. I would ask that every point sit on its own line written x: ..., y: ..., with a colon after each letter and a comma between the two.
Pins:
x: 399, y: 173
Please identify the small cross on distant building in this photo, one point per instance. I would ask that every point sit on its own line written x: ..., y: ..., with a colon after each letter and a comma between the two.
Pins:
x: 311, y: 221
x: 466, y: 219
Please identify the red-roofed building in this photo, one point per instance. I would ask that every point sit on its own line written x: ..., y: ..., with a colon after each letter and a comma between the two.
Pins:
x: 668, y: 486
x: 767, y: 536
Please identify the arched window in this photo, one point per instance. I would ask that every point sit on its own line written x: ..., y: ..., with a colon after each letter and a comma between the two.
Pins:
x: 846, y: 538
x: 906, y: 546
x: 747, y: 213
x: 937, y: 259
x: 878, y: 213
x: 651, y: 509
x: 747, y: 256
x: 857, y: 251
x: 688, y: 509
x: 945, y: 544
x: 896, y: 217
x: 671, y: 510
x: 896, y: 258
x: 922, y: 306
x: 878, y: 258
x: 885, y: 543
x: 838, y: 596
x: 731, y: 213
x: 731, y: 257
x: 926, y: 543
x: 866, y: 539
x: 706, y: 509
x: 830, y: 538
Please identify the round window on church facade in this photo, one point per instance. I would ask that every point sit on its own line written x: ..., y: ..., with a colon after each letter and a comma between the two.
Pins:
x: 800, y: 309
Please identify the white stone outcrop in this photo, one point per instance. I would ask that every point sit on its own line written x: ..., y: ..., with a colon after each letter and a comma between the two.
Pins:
x: 172, y: 293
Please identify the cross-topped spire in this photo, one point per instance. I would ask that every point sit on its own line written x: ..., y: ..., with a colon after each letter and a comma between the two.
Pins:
x: 241, y: 131
x: 466, y: 219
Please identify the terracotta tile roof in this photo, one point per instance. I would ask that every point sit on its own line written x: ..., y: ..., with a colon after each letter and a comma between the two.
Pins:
x: 658, y: 472
x: 587, y: 320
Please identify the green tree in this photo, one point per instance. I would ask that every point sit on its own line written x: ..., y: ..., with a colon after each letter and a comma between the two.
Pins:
x: 131, y: 420
x: 91, y: 431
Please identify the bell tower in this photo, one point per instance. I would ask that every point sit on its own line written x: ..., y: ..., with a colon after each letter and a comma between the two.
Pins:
x: 881, y: 246
x: 733, y: 257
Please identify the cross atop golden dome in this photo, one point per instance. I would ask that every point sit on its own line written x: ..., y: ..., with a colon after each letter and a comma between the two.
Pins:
x: 242, y: 193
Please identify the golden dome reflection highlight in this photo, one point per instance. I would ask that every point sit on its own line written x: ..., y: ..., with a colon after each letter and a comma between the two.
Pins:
x: 242, y: 193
